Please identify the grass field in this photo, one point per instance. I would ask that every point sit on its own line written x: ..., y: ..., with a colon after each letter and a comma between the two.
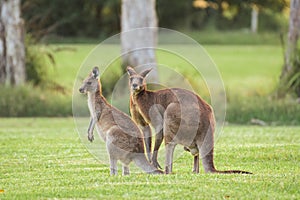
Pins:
x: 43, y: 158
x: 246, y: 70
x: 249, y: 67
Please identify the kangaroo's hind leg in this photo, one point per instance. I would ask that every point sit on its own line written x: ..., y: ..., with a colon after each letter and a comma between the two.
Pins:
x: 113, y: 166
x: 196, y: 164
x: 206, y: 149
x: 170, y: 129
x: 157, y: 121
x: 170, y: 147
x: 147, y: 139
x: 158, y: 141
x: 125, y: 169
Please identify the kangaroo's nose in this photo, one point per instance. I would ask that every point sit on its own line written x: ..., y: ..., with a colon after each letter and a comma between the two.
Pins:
x: 134, y: 85
x: 81, y: 90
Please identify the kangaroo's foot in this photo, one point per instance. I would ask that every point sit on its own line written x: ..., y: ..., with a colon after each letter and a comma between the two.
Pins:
x: 156, y: 164
x: 157, y: 172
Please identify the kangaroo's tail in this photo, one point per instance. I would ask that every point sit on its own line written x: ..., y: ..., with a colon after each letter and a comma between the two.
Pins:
x: 141, y: 161
x: 232, y: 172
x: 209, y: 166
x: 208, y: 161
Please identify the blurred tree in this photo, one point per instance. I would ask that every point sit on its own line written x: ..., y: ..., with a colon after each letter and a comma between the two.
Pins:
x: 101, y: 18
x: 236, y: 14
x: 290, y: 76
x: 176, y: 14
x: 139, y: 34
x: 254, y: 19
x: 275, y: 5
x: 89, y: 18
x: 12, y: 49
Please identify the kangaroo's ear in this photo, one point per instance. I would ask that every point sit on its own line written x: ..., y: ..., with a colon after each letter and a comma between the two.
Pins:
x: 95, y: 72
x: 130, y: 71
x: 146, y: 72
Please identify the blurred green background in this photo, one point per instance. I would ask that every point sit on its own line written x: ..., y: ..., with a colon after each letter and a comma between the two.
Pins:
x: 250, y: 62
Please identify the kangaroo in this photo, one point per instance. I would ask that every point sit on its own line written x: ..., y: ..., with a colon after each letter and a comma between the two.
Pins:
x: 177, y: 115
x: 122, y: 136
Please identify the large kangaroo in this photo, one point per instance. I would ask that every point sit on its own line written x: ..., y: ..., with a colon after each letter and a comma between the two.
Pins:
x: 177, y: 115
x: 122, y: 136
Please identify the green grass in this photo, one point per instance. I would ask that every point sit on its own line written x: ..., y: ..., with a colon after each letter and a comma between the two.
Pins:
x: 44, y: 158
x: 254, y: 67
x: 242, y: 37
x: 68, y: 61
x: 248, y: 70
x: 207, y: 37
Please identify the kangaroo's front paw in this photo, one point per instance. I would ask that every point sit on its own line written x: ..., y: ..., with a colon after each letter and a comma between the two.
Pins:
x: 90, y: 137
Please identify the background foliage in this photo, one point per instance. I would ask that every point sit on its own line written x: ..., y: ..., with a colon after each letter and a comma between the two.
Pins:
x: 250, y: 74
x: 101, y: 18
x: 243, y: 58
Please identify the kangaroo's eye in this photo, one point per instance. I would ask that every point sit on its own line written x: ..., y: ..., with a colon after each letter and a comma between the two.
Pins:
x: 89, y: 83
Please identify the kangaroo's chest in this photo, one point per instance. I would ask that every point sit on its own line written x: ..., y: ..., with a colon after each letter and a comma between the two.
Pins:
x: 152, y: 112
x: 95, y: 106
x: 91, y: 105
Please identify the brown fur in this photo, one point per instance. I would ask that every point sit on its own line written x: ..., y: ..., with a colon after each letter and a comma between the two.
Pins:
x: 122, y: 137
x: 177, y: 115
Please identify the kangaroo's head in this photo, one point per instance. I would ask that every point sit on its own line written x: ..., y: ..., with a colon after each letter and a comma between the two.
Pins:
x: 137, y: 81
x: 91, y: 83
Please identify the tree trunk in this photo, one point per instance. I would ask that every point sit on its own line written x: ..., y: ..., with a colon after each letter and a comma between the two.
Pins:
x: 254, y: 19
x: 12, y: 49
x: 294, y: 26
x: 139, y: 35
x: 290, y: 75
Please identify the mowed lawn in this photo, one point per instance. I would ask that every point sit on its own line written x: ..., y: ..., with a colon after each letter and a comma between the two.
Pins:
x: 44, y: 158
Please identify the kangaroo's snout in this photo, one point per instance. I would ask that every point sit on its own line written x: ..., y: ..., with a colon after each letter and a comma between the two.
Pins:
x: 134, y: 86
x: 81, y: 90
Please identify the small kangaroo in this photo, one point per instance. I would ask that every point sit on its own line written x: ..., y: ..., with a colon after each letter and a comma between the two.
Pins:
x: 177, y: 115
x: 122, y: 136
